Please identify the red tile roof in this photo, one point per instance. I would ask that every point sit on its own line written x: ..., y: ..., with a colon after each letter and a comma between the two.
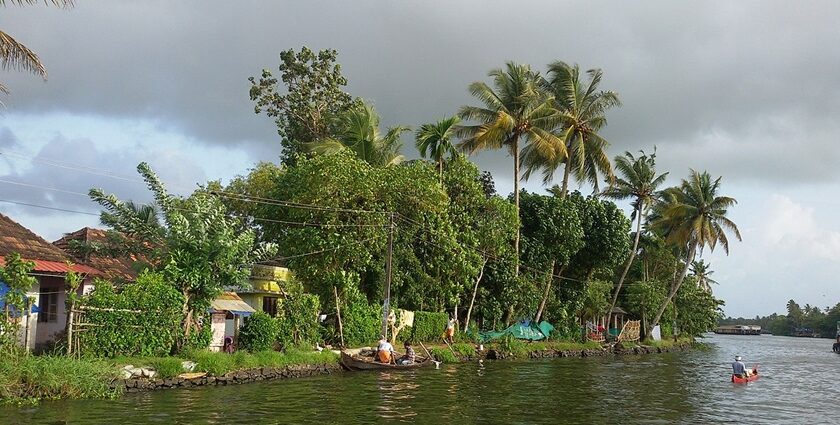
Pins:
x: 47, y: 257
x: 113, y: 268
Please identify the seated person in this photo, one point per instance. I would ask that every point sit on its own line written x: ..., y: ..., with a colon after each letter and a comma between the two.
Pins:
x: 384, y: 351
x: 409, y: 357
x: 740, y: 369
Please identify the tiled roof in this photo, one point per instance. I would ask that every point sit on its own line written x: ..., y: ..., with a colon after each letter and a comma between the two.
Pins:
x: 112, y: 268
x: 47, y: 257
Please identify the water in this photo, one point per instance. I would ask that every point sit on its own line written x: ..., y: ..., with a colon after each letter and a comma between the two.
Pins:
x: 798, y: 384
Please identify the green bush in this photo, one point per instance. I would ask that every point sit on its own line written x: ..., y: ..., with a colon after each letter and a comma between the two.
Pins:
x: 361, y: 321
x: 166, y: 367
x: 428, y: 326
x: 259, y: 332
x: 143, y: 318
x: 298, y: 321
x: 444, y: 355
x: 199, y: 339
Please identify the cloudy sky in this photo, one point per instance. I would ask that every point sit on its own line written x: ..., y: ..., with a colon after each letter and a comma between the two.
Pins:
x: 746, y: 90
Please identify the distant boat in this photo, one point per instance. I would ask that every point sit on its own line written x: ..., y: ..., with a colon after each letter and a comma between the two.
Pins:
x: 738, y: 330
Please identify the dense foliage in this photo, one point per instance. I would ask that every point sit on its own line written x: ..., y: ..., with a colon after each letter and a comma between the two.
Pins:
x: 15, y: 275
x: 140, y: 318
x: 259, y: 332
x: 804, y: 320
x: 428, y: 326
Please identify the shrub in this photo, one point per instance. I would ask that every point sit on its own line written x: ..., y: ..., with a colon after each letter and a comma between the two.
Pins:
x: 444, y: 355
x: 259, y: 332
x: 298, y: 321
x: 429, y: 326
x: 143, y: 318
x: 361, y: 321
x: 166, y: 367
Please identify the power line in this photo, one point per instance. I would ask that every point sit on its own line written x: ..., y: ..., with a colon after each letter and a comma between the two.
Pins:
x: 327, y: 249
x: 89, y: 170
x: 47, y: 208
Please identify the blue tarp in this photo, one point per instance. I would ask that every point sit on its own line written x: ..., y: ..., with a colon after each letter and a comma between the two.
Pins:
x: 4, y: 289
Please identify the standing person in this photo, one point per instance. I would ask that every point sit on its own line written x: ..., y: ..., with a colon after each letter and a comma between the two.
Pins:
x: 384, y: 350
x: 449, y: 333
x: 740, y: 369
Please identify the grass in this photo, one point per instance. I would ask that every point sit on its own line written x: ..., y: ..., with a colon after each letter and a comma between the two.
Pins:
x: 32, y: 378
x: 218, y: 364
x: 669, y: 342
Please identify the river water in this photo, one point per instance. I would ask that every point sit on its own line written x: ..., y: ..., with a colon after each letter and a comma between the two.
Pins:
x: 800, y: 382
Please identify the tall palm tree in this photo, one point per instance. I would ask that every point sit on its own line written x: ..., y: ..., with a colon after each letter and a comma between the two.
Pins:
x: 694, y: 217
x: 15, y: 55
x: 435, y: 140
x: 582, y: 108
x: 360, y: 134
x: 638, y: 181
x: 515, y: 112
x: 701, y: 270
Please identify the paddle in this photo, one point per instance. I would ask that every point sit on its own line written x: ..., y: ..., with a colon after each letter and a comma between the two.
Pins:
x: 437, y: 363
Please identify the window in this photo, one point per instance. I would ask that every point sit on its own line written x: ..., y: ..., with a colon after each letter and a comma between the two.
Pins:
x: 270, y: 306
x: 48, y: 303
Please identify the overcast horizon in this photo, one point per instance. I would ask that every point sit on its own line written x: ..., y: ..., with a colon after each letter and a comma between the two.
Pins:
x: 745, y: 90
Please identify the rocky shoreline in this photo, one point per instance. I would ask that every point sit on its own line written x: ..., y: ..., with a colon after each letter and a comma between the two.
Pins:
x: 142, y: 383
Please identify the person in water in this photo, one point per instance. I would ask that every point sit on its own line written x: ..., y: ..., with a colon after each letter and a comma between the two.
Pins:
x: 409, y: 357
x: 836, y: 346
x: 740, y: 369
x: 384, y: 351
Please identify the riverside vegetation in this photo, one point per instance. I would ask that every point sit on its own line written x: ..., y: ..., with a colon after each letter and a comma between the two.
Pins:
x: 343, y: 189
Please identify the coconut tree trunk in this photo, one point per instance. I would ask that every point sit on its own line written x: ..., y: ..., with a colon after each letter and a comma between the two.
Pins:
x: 475, y: 291
x: 440, y: 169
x: 516, y: 198
x: 567, y: 171
x: 629, y: 260
x: 545, y: 293
x: 676, y: 285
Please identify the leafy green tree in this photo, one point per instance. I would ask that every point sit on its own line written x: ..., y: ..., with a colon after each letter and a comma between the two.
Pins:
x: 638, y: 181
x: 552, y: 233
x: 582, y: 108
x: 259, y: 332
x: 434, y: 140
x: 359, y: 133
x: 15, y: 274
x: 694, y: 217
x: 697, y: 309
x: 15, y: 55
x: 796, y: 317
x: 306, y: 108
x: 198, y: 247
x: 514, y: 114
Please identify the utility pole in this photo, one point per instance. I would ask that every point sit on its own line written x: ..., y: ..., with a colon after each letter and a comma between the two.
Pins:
x: 386, y: 304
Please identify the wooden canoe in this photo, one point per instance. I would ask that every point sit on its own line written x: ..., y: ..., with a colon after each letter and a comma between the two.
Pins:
x: 738, y: 380
x: 363, y: 359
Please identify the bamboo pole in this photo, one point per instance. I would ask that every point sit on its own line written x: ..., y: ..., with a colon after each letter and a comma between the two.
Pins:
x: 338, y: 315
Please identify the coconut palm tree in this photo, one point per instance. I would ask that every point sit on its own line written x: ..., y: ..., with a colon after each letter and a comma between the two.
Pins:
x: 515, y: 112
x: 638, y: 181
x: 582, y: 108
x: 435, y: 140
x: 15, y: 55
x: 701, y: 270
x: 360, y: 134
x: 694, y: 217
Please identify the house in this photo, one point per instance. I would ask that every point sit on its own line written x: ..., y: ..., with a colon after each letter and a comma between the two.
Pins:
x: 113, y: 269
x: 48, y: 317
x: 267, y: 282
x: 226, y: 313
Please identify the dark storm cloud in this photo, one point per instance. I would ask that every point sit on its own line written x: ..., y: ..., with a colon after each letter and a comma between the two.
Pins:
x: 746, y: 89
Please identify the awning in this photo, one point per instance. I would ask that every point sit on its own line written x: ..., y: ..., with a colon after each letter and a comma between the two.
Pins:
x: 230, y: 302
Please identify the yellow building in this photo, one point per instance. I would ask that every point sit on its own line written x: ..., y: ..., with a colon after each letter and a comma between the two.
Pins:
x: 267, y: 286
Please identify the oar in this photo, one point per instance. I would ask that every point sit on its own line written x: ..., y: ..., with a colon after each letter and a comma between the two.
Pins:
x: 450, y: 347
x: 437, y: 363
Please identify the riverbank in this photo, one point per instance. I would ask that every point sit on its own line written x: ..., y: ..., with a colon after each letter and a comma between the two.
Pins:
x: 34, y: 378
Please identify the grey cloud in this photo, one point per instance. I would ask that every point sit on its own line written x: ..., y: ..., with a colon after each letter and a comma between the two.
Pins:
x: 684, y: 70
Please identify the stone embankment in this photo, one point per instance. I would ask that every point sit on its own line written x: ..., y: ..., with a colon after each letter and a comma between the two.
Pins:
x: 145, y: 383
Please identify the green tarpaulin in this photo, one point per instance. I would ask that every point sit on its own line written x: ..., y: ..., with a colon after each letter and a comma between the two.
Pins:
x: 522, y: 330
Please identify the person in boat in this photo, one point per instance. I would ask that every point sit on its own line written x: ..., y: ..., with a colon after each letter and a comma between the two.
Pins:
x: 449, y: 333
x: 409, y: 357
x: 740, y: 369
x: 384, y: 350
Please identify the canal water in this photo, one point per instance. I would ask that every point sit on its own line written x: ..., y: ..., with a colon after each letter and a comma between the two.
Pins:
x: 800, y: 381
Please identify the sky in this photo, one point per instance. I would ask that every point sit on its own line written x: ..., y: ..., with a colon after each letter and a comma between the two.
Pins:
x: 746, y: 90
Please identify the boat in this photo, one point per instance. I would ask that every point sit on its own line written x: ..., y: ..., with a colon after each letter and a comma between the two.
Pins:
x: 363, y: 359
x: 738, y: 380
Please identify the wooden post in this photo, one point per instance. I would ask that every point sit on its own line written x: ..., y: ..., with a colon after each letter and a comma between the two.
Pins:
x: 386, y: 303
x: 72, y: 306
x: 338, y: 315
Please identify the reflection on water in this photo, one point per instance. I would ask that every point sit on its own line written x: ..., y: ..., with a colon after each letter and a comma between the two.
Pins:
x: 799, y: 384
